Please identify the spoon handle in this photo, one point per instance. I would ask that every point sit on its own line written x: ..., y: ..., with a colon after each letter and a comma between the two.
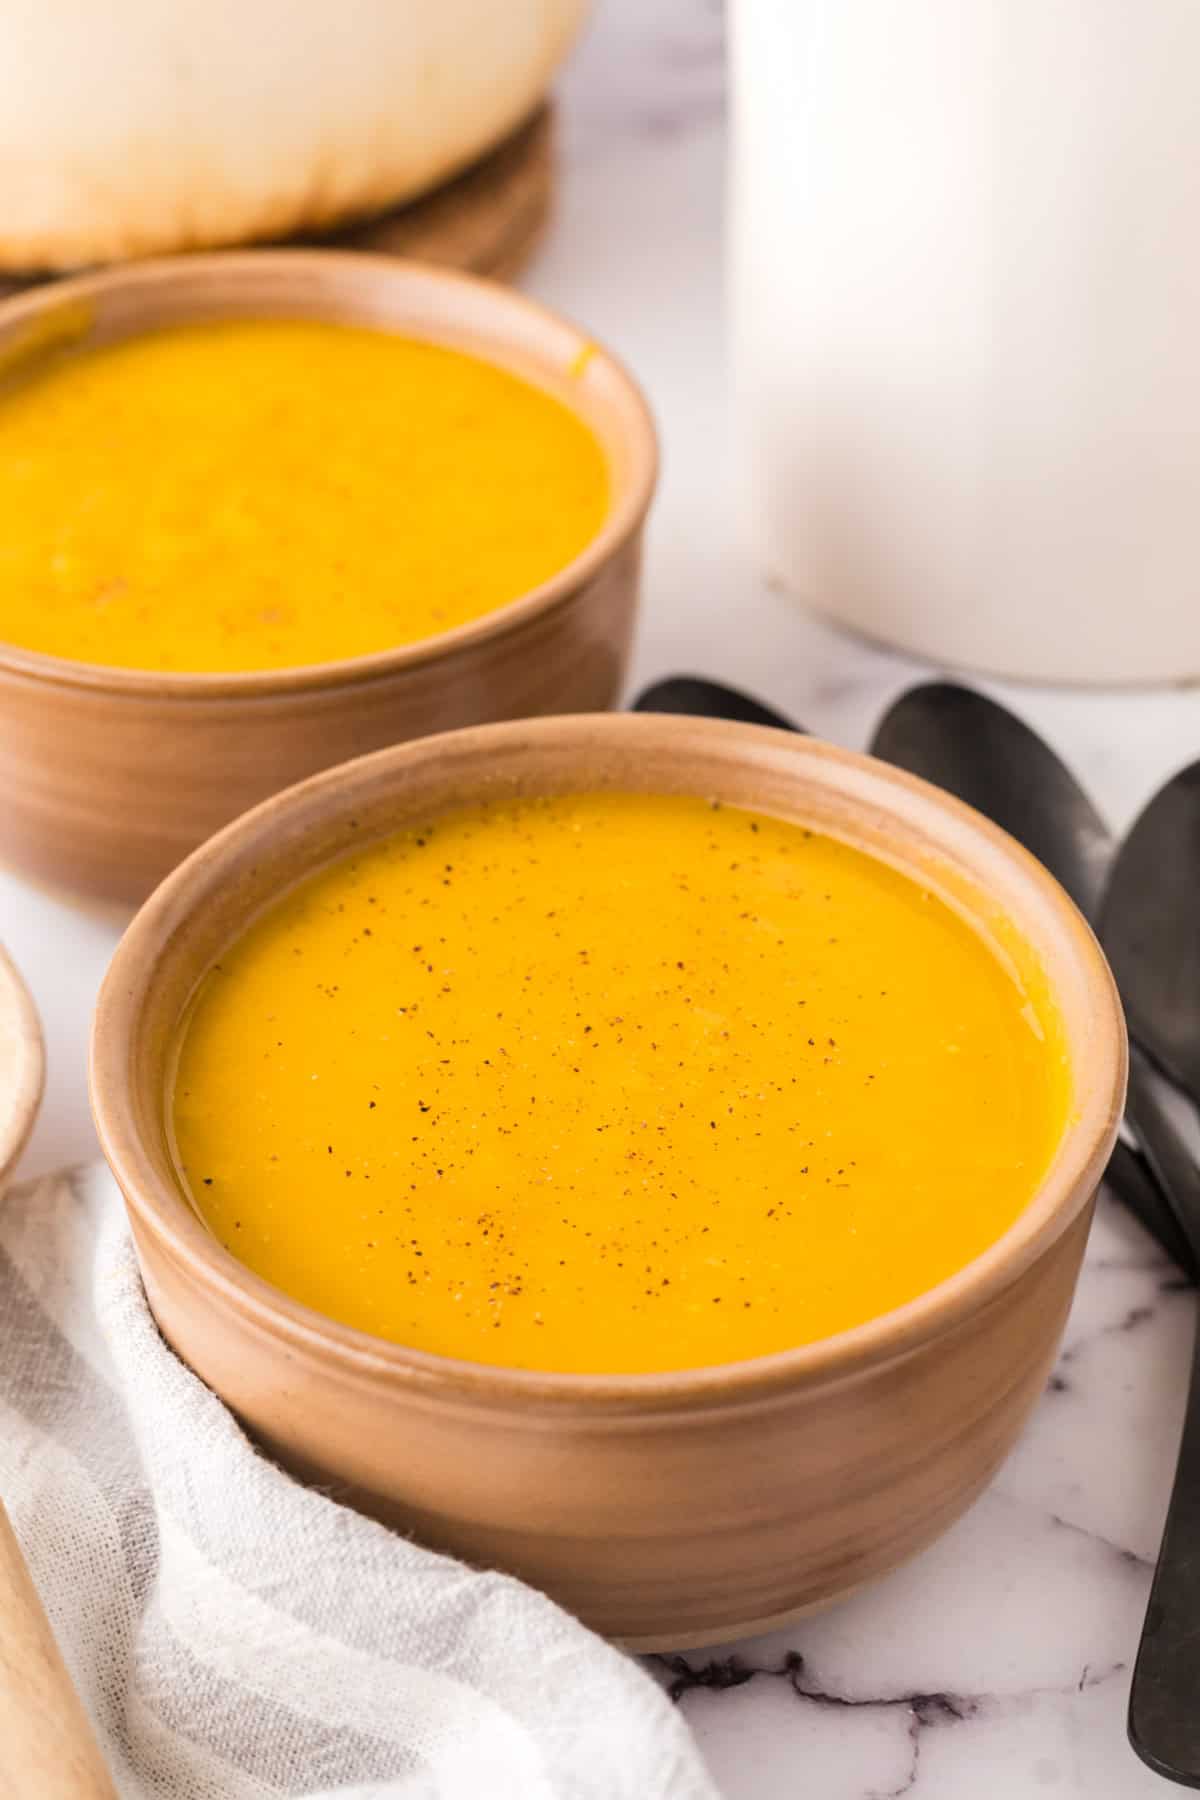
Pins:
x: 1164, y: 1702
x: 47, y: 1750
x: 1168, y: 1155
x: 1135, y: 1186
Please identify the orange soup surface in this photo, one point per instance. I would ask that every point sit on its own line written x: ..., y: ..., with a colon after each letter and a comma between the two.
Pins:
x: 267, y: 493
x: 613, y: 1082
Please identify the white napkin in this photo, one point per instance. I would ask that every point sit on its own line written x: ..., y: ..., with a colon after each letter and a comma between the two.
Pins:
x: 236, y: 1635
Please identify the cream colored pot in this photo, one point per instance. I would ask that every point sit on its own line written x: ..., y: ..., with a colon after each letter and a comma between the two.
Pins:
x: 966, y: 288
x: 147, y: 127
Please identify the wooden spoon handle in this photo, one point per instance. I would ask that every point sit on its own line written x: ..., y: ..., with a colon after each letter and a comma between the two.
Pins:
x: 47, y: 1750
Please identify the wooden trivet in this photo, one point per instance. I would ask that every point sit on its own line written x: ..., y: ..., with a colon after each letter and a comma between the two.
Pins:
x: 486, y: 221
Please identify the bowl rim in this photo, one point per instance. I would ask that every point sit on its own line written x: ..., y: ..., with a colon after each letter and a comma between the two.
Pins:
x: 19, y: 1022
x: 628, y: 506
x: 159, y: 1207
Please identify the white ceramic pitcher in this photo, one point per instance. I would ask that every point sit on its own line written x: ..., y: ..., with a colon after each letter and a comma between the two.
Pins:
x: 966, y: 255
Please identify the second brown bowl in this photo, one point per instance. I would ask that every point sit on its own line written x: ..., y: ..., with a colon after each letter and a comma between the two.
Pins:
x: 665, y: 1509
x: 22, y: 1067
x: 111, y: 775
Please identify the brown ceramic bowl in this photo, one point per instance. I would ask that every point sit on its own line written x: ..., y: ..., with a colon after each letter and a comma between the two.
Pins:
x: 22, y: 1067
x: 110, y: 776
x: 665, y: 1509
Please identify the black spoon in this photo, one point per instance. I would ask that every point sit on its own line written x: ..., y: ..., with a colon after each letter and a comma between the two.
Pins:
x: 1150, y: 926
x: 704, y: 699
x: 988, y: 757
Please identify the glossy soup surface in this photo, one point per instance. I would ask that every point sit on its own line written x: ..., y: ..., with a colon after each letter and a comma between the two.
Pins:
x: 263, y: 494
x: 613, y: 1083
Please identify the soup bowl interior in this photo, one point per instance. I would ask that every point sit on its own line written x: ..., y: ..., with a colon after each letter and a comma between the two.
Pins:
x: 804, y: 1454
x: 462, y: 312
x: 112, y: 774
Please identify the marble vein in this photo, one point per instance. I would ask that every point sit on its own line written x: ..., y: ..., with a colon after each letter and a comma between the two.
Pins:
x: 926, y: 1712
x: 1120, y: 1551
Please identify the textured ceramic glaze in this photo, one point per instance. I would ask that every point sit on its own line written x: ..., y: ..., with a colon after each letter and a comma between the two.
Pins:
x: 112, y: 775
x: 819, y: 1467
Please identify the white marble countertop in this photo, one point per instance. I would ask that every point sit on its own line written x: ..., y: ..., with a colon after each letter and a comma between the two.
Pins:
x: 996, y: 1666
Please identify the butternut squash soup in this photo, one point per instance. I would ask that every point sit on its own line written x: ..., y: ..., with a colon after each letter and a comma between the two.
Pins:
x: 610, y: 1082
x: 261, y: 494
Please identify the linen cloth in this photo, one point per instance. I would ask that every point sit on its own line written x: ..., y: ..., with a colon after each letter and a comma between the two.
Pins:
x: 236, y: 1635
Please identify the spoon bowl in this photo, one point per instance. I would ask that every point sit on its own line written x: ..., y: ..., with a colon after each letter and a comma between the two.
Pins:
x: 978, y: 750
x: 704, y: 699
